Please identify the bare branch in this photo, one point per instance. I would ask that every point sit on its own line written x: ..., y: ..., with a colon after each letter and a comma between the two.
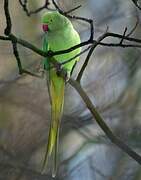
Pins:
x: 122, y: 39
x: 8, y: 28
x: 82, y: 52
x: 95, y: 44
x: 28, y: 12
x: 80, y: 74
x: 120, y: 45
x: 16, y: 53
x: 4, y: 38
x: 102, y: 124
x: 74, y: 9
x: 136, y: 4
x: 134, y: 28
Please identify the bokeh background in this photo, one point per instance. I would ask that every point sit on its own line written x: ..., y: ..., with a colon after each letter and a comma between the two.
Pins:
x: 111, y: 79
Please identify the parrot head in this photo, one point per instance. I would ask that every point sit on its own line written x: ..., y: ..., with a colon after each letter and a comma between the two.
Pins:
x: 54, y: 21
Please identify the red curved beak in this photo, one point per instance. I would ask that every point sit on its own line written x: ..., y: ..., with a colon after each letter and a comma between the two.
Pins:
x: 45, y: 27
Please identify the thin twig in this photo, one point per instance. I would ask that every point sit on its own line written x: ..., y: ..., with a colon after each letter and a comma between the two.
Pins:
x: 8, y: 28
x: 16, y: 53
x: 28, y: 12
x: 120, y: 45
x: 74, y: 9
x: 30, y: 46
x: 77, y: 55
x: 134, y: 28
x: 122, y: 39
x: 136, y: 4
x: 5, y: 38
x: 95, y: 44
x: 80, y: 74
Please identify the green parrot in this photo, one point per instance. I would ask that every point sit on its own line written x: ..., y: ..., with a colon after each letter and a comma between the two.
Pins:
x: 59, y: 35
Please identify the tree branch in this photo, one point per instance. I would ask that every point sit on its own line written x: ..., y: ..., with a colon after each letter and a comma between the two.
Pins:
x: 136, y: 4
x: 16, y: 53
x: 28, y: 12
x: 74, y: 9
x: 8, y: 28
x: 102, y: 124
x: 95, y: 44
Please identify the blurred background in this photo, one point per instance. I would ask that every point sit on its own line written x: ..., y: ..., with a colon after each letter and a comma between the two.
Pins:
x: 111, y: 79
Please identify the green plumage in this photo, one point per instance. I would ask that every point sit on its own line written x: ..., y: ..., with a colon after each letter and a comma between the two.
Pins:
x: 60, y: 36
x: 46, y: 64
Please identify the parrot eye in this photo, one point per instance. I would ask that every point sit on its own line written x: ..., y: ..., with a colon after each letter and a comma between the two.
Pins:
x: 51, y: 20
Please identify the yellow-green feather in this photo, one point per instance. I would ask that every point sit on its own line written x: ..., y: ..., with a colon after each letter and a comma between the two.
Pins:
x: 57, y: 85
x: 61, y: 36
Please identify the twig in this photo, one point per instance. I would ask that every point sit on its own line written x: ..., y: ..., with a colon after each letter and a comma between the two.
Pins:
x: 28, y: 12
x: 122, y: 39
x: 8, y: 28
x: 136, y: 4
x: 120, y: 45
x: 134, y: 28
x: 80, y: 74
x: 30, y: 46
x: 74, y: 57
x: 74, y: 9
x: 105, y: 35
x: 5, y: 38
x: 24, y: 6
x: 95, y: 44
x: 16, y: 53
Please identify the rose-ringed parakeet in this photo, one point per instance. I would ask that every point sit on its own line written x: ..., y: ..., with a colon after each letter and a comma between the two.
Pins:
x: 59, y: 35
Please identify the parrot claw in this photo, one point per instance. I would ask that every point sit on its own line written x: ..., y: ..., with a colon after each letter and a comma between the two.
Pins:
x: 58, y: 69
x: 66, y: 75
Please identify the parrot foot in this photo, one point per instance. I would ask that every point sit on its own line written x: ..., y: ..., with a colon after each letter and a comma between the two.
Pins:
x: 61, y: 70
x: 66, y: 75
x: 58, y: 68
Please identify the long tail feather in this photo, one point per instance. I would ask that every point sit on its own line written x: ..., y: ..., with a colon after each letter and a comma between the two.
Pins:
x: 56, y: 91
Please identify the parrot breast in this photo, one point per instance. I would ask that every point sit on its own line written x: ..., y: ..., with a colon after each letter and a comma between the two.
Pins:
x: 62, y: 40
